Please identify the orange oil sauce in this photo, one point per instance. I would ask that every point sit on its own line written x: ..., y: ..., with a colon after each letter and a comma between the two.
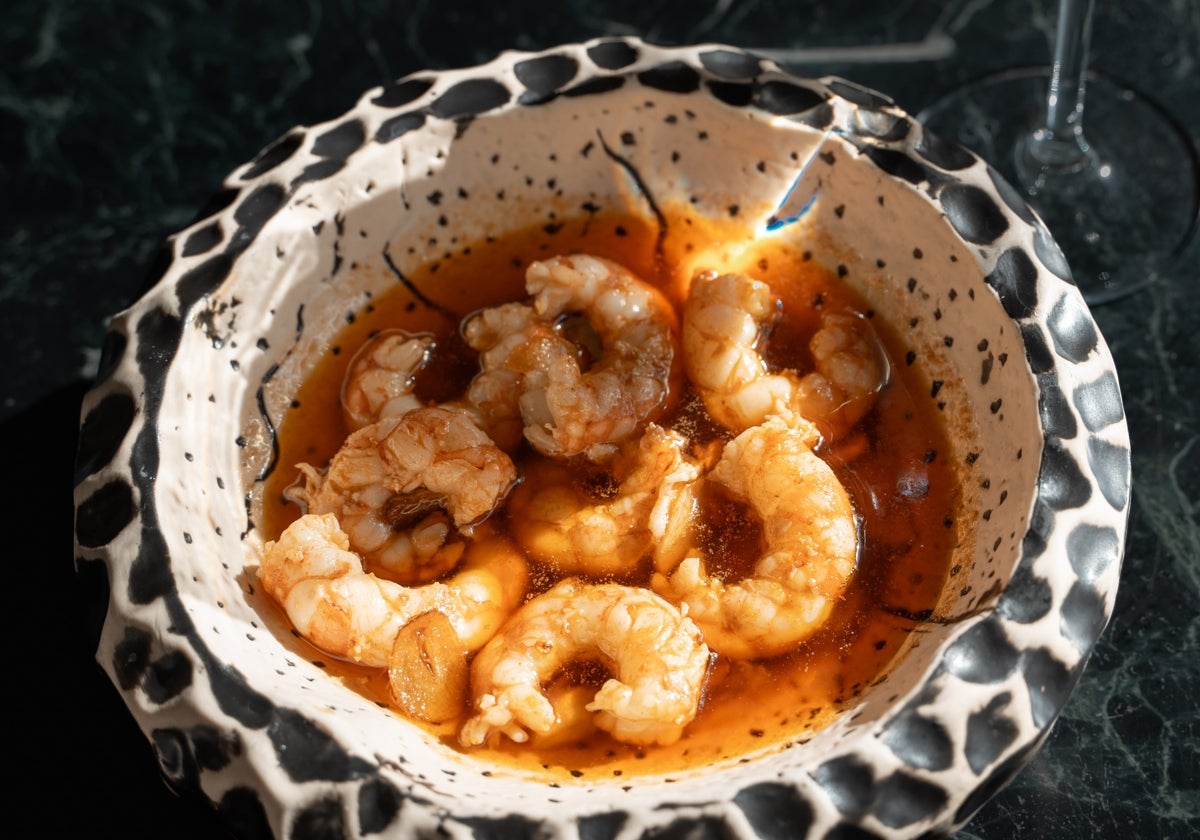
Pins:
x: 895, y: 466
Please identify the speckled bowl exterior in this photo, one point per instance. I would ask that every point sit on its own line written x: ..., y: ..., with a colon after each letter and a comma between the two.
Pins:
x: 178, y: 434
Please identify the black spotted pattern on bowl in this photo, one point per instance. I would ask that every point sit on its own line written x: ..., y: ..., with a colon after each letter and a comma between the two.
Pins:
x: 178, y: 433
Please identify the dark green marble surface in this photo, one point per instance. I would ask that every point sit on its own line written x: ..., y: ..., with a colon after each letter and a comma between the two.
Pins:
x: 119, y: 118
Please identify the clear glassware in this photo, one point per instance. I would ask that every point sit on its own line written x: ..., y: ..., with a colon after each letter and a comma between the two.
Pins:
x: 1121, y: 199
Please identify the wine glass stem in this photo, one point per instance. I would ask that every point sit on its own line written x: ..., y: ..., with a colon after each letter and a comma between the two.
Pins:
x: 1059, y: 143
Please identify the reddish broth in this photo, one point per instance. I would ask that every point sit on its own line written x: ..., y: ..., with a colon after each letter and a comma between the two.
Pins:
x: 895, y: 466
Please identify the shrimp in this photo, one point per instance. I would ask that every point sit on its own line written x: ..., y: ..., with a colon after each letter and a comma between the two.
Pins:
x: 725, y: 320
x: 851, y: 368
x: 567, y: 406
x: 352, y: 614
x: 559, y: 523
x: 516, y: 348
x: 811, y: 537
x: 379, y: 381
x: 403, y: 486
x: 656, y: 653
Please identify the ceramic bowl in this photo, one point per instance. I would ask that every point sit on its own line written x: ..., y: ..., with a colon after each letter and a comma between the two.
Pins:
x: 179, y: 434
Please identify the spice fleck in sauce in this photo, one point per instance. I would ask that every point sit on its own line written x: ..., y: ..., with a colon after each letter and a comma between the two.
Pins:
x: 894, y: 464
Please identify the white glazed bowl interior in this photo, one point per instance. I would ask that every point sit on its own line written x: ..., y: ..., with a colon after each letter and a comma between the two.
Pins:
x: 179, y: 432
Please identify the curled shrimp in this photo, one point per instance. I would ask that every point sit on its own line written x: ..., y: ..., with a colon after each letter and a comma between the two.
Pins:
x: 656, y: 654
x: 725, y: 320
x: 851, y: 368
x: 558, y: 520
x: 350, y: 613
x: 379, y: 381
x: 811, y: 538
x: 516, y: 349
x: 567, y: 406
x: 403, y: 486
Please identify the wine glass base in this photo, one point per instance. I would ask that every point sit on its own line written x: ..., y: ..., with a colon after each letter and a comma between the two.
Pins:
x: 1123, y: 215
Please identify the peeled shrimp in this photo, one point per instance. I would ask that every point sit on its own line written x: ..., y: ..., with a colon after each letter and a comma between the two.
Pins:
x: 516, y: 349
x: 379, y: 381
x: 725, y: 320
x: 566, y: 406
x: 656, y: 654
x: 403, y: 486
x: 851, y: 368
x: 811, y: 535
x: 560, y: 524
x: 350, y: 613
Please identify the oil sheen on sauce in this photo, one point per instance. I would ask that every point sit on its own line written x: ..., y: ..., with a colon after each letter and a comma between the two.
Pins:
x: 895, y: 466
